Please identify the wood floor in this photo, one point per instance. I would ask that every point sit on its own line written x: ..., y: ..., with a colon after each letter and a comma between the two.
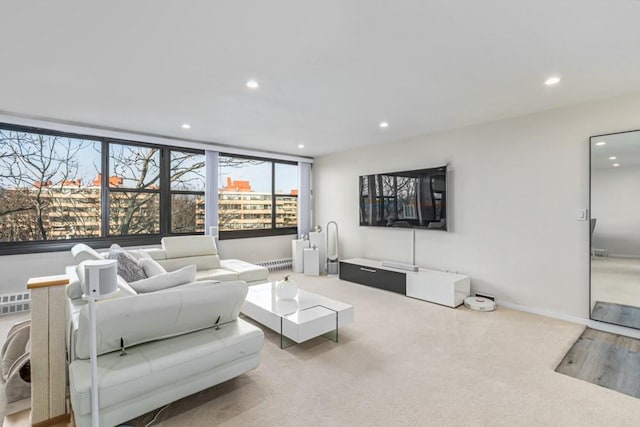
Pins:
x: 605, y: 359
x: 618, y: 314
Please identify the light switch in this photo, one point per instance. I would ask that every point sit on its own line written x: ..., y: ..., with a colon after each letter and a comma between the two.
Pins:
x: 582, y: 215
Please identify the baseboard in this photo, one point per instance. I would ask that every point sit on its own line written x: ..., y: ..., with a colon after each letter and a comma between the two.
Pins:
x: 594, y: 324
x: 621, y: 256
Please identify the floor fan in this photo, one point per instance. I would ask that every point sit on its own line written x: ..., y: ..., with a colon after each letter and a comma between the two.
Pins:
x: 332, y: 248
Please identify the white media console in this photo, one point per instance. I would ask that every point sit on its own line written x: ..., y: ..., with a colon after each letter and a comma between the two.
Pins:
x: 443, y: 288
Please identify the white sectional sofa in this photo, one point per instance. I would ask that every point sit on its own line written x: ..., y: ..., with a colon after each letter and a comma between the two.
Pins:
x: 178, y: 252
x: 173, y: 348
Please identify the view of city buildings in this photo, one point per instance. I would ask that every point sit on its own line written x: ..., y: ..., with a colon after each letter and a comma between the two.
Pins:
x: 240, y: 208
x: 72, y: 209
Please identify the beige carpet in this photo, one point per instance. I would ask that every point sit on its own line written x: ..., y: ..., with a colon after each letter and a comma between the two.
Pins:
x: 408, y: 362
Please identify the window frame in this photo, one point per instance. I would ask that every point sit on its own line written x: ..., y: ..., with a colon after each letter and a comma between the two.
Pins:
x: 106, y: 240
x: 273, y: 231
x: 167, y: 168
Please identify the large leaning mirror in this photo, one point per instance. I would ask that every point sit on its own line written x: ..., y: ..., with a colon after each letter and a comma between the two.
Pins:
x: 615, y: 228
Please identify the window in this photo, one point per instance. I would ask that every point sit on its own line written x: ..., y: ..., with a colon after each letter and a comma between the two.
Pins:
x: 257, y: 197
x: 48, y: 187
x: 286, y: 195
x: 134, y: 190
x: 57, y: 189
x: 187, y: 176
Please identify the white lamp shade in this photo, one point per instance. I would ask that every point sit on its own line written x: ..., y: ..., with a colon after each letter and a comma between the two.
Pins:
x: 100, y: 279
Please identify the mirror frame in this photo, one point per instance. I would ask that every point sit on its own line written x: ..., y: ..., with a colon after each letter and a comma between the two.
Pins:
x: 591, y: 138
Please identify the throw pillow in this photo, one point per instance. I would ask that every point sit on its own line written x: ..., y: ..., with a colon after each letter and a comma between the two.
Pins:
x: 139, y: 254
x: 163, y: 281
x: 115, y: 247
x: 151, y: 267
x: 128, y: 266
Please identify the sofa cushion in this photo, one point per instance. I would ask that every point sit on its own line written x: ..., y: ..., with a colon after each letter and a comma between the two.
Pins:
x: 165, y: 280
x: 246, y: 271
x: 216, y: 274
x: 202, y: 262
x: 150, y: 366
x: 151, y: 267
x: 136, y: 253
x: 156, y: 253
x: 158, y: 315
x: 186, y: 246
x: 82, y: 252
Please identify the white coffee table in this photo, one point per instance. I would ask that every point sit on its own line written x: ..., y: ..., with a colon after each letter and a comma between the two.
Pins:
x: 307, y: 316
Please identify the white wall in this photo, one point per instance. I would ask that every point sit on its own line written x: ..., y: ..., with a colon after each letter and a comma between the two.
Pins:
x: 15, y: 270
x: 615, y: 203
x: 258, y: 249
x: 514, y: 188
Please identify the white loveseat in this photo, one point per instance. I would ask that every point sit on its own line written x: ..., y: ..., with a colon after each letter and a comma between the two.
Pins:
x: 173, y: 348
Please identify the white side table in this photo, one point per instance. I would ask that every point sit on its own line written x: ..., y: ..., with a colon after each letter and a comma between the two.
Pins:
x: 319, y: 240
x: 297, y: 246
x: 311, y: 262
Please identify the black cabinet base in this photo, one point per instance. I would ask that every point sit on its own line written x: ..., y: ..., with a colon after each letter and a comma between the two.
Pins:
x: 376, y: 277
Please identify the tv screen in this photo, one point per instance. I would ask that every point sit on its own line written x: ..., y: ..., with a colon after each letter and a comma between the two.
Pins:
x: 408, y: 199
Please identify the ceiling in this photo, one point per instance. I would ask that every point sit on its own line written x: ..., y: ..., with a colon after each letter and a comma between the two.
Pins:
x: 329, y: 71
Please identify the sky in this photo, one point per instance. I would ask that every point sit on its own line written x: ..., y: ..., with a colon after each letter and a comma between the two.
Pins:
x: 85, y: 165
x: 259, y: 176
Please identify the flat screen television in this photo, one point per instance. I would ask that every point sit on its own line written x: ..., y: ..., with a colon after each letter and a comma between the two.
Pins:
x: 408, y: 199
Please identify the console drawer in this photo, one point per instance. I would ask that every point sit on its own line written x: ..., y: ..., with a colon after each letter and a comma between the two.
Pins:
x: 376, y: 277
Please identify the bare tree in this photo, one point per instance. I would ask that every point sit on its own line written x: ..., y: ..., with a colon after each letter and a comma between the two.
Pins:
x: 135, y: 170
x: 134, y: 197
x: 33, y: 169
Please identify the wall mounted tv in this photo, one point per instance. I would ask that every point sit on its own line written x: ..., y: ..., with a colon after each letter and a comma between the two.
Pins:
x: 409, y: 199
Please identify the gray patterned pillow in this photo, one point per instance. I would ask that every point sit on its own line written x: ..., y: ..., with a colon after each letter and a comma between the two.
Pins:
x: 128, y: 267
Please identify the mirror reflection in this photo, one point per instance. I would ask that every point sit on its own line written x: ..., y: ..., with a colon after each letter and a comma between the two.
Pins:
x: 615, y: 228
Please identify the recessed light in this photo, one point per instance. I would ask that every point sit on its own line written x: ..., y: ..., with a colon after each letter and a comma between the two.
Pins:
x: 615, y: 165
x: 384, y: 125
x: 252, y: 84
x: 300, y: 145
x: 601, y: 143
x: 186, y: 126
x: 612, y: 158
x: 553, y: 80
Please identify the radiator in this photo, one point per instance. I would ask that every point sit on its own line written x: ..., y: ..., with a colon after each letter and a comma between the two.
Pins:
x: 15, y: 303
x: 279, y: 264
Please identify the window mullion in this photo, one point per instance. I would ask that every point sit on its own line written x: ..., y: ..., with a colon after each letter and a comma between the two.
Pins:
x: 273, y: 195
x: 104, y: 190
x: 165, y: 191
